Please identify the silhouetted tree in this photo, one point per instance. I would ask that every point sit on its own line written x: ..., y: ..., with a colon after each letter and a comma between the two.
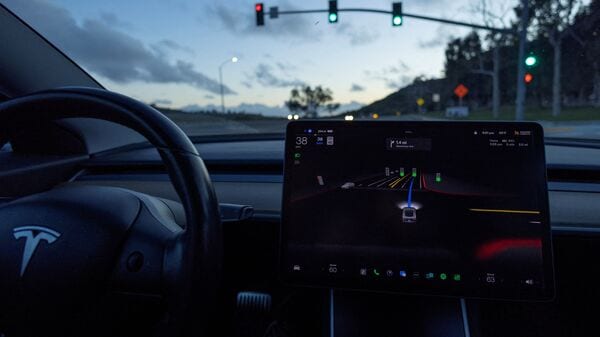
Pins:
x: 554, y: 20
x: 309, y: 101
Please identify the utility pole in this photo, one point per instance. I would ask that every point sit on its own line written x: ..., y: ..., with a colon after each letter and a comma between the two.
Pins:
x: 232, y: 60
x: 521, y: 88
x: 496, y: 82
x: 221, y: 86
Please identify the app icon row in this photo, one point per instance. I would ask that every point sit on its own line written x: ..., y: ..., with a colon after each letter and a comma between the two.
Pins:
x: 404, y: 274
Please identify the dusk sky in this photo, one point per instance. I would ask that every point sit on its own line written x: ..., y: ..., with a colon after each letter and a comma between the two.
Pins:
x: 169, y: 51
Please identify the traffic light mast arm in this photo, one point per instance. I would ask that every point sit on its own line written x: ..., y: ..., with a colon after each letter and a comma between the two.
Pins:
x: 414, y: 16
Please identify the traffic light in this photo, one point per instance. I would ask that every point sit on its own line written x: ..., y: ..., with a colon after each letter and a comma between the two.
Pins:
x: 531, y: 60
x: 397, y: 14
x: 260, y: 14
x: 333, y: 12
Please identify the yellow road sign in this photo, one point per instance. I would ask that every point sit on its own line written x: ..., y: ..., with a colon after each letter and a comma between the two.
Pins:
x: 420, y: 101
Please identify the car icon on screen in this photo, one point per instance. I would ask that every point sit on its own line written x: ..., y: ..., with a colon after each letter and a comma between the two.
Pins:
x: 409, y: 215
x: 348, y: 185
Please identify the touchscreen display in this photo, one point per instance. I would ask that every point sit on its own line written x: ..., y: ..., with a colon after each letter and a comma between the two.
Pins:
x: 445, y: 208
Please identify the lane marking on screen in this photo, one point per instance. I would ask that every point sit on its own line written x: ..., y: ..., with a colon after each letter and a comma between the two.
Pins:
x: 378, y: 181
x: 386, y: 181
x: 516, y: 211
x: 393, y: 183
x: 398, y: 181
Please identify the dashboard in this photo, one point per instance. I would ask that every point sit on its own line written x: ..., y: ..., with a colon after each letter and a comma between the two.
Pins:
x: 248, y: 171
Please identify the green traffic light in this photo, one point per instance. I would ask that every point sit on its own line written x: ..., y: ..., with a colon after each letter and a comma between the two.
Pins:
x: 397, y: 13
x: 332, y: 17
x: 530, y: 61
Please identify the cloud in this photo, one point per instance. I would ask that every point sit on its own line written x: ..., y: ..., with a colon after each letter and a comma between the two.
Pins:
x: 442, y: 35
x: 247, y: 84
x: 181, y: 6
x: 264, y: 75
x: 285, y: 66
x: 164, y: 46
x: 104, y: 50
x: 161, y: 102
x: 111, y: 19
x: 356, y: 87
x: 437, y: 41
x: 209, y: 96
x: 241, y: 19
x: 394, y: 77
x: 358, y: 36
x: 398, y: 82
x: 400, y: 68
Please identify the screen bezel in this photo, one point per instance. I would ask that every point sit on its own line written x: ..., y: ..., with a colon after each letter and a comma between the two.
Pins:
x: 539, y: 294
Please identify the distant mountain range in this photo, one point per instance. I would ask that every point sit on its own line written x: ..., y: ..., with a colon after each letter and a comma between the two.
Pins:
x: 265, y: 110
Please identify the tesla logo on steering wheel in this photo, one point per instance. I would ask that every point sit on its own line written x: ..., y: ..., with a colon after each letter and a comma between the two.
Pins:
x: 33, y: 235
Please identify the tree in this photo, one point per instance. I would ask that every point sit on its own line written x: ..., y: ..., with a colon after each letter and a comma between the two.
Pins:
x: 576, y: 80
x: 493, y: 14
x: 554, y: 20
x: 463, y: 56
x: 586, y: 33
x: 310, y: 102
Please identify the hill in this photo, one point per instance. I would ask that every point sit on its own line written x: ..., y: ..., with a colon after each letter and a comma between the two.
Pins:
x: 404, y: 101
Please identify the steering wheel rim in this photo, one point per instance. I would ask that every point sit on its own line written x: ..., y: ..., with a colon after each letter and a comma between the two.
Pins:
x: 192, y: 262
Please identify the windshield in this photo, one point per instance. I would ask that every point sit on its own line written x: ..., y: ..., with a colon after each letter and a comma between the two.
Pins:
x: 237, y: 67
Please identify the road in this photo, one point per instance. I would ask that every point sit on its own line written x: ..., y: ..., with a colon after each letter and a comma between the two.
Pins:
x: 233, y: 127
x: 567, y: 129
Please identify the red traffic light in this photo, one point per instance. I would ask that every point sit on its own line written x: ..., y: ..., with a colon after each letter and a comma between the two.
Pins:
x: 528, y: 78
x: 260, y: 14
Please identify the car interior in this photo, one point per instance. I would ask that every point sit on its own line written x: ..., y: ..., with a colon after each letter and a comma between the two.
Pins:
x: 115, y: 222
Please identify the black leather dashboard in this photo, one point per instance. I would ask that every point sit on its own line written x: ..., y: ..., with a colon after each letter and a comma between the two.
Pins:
x: 249, y: 173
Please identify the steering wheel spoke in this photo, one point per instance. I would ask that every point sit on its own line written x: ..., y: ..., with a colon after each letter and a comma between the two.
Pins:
x: 141, y: 263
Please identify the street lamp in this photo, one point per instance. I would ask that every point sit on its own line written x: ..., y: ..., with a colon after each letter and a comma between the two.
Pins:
x: 232, y: 60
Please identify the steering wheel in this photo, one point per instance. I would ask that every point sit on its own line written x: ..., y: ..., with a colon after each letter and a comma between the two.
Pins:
x: 93, y: 260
